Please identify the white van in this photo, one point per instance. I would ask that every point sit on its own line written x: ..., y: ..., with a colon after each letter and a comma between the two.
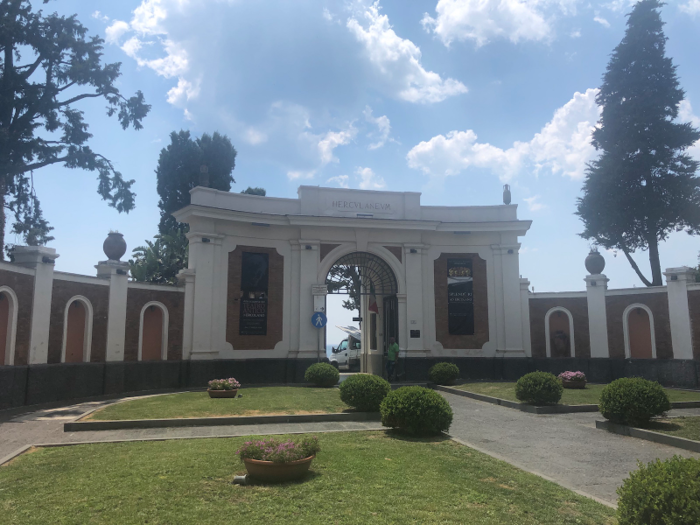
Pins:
x: 347, y: 355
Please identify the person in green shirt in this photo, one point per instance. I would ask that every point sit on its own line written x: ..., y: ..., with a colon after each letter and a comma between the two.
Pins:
x: 392, y: 357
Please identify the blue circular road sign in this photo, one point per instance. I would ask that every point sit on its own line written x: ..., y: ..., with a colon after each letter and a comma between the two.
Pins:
x: 319, y: 319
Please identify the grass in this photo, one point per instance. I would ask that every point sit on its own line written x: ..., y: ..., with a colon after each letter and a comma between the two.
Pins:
x: 587, y: 396
x: 255, y: 401
x: 683, y: 427
x: 357, y: 478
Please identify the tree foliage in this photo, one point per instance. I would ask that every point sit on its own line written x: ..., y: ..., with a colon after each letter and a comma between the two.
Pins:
x: 179, y: 170
x: 255, y: 191
x: 346, y: 278
x: 160, y: 260
x: 47, y: 66
x: 643, y: 186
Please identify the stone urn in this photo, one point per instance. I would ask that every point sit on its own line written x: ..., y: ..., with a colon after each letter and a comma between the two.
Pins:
x: 506, y: 194
x: 574, y: 384
x: 114, y: 246
x: 595, y: 263
x: 276, y: 472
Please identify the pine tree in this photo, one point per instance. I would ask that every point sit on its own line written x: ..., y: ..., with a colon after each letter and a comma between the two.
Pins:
x: 643, y: 185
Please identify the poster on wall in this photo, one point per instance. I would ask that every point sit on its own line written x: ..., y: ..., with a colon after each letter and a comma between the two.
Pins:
x: 460, y: 297
x: 254, y: 281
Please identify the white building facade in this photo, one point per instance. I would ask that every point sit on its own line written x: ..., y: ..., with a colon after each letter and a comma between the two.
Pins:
x: 259, y: 267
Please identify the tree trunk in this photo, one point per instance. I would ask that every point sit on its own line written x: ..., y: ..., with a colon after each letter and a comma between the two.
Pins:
x: 636, y: 268
x: 655, y: 262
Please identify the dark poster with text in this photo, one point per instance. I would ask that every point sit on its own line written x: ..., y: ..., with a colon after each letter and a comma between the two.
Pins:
x: 254, y: 278
x: 460, y: 297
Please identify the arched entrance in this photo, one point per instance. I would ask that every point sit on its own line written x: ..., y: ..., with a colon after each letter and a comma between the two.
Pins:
x: 371, y: 287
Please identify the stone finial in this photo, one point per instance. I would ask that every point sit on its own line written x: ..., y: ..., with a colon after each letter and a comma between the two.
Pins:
x: 506, y: 194
x: 114, y: 246
x: 595, y: 263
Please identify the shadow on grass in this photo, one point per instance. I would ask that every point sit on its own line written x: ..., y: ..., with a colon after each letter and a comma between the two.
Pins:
x: 662, y: 426
x: 403, y: 436
x: 310, y: 476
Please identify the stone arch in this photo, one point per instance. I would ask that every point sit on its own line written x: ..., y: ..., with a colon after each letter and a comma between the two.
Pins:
x: 638, y: 328
x: 8, y: 325
x: 153, y: 331
x: 77, y: 330
x: 557, y: 325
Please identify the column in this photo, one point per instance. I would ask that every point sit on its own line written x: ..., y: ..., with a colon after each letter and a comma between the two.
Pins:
x: 677, y: 280
x: 204, y: 249
x: 41, y: 259
x: 187, y: 277
x: 413, y: 255
x: 309, y: 260
x: 294, y: 300
x: 118, y: 274
x: 596, y: 287
x: 525, y: 315
x: 403, y: 330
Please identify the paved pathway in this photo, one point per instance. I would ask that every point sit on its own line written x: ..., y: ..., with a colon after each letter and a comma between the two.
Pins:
x: 566, y: 448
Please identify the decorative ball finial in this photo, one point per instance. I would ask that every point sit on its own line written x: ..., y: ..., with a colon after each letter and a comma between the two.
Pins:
x: 595, y: 263
x: 506, y: 194
x: 114, y: 246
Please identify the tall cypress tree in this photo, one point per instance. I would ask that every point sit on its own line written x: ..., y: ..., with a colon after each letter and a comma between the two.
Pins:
x: 643, y: 185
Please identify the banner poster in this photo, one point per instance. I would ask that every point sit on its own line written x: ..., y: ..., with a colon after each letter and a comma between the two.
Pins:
x: 460, y: 297
x: 254, y: 281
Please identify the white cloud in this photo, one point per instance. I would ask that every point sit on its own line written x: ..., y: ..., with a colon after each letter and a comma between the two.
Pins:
x: 99, y: 16
x: 301, y: 174
x: 533, y: 203
x: 327, y: 14
x: 692, y: 7
x: 685, y: 114
x: 602, y: 21
x: 381, y: 136
x: 255, y: 137
x: 575, y: 34
x: 340, y: 180
x: 183, y: 92
x: 398, y: 60
x: 332, y: 140
x: 485, y: 20
x: 370, y: 180
x: 116, y: 31
x: 562, y: 147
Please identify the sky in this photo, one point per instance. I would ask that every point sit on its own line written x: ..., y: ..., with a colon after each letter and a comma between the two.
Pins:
x: 450, y: 98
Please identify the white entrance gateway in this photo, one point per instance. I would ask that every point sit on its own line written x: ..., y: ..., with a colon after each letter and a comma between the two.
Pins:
x: 445, y: 279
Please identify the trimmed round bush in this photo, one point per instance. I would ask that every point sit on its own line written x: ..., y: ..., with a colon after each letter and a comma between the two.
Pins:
x: 443, y: 373
x: 416, y: 410
x: 539, y: 388
x: 661, y: 493
x: 364, y: 392
x: 633, y: 401
x: 322, y: 374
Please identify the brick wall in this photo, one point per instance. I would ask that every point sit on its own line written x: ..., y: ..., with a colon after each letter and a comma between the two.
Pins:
x: 98, y: 295
x: 23, y: 286
x: 275, y: 301
x: 481, y: 309
x: 694, y: 305
x: 326, y: 249
x: 173, y: 301
x: 657, y: 303
x: 578, y: 306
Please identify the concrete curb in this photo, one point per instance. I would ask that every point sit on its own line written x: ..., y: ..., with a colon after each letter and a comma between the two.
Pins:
x: 649, y: 435
x: 555, y: 409
x: 78, y: 426
x: 13, y: 455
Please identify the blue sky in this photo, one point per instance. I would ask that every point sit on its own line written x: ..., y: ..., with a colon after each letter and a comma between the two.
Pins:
x: 452, y: 98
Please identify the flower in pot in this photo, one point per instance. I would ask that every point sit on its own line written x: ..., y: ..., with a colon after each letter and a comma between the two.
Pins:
x: 573, y: 379
x: 277, y: 460
x: 223, y: 387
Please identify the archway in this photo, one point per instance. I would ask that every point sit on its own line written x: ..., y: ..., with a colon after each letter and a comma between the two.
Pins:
x: 559, y: 332
x: 638, y: 324
x: 371, y: 287
x: 8, y: 325
x: 153, y: 334
x: 77, y: 331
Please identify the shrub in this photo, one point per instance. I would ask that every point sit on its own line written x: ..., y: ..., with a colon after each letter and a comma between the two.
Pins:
x: 322, y: 374
x: 661, y: 493
x: 633, y: 401
x: 224, y: 384
x: 279, y: 451
x: 572, y: 376
x: 416, y: 410
x: 364, y: 392
x: 443, y: 373
x: 539, y: 388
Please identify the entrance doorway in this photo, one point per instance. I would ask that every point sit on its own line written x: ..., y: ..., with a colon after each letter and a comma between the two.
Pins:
x: 371, y: 287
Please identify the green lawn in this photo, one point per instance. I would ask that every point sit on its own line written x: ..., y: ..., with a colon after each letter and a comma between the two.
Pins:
x: 684, y: 427
x: 358, y: 477
x: 255, y: 401
x: 586, y: 396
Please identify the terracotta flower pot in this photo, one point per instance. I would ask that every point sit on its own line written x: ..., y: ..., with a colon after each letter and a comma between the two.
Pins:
x: 222, y: 393
x: 271, y: 471
x: 574, y: 384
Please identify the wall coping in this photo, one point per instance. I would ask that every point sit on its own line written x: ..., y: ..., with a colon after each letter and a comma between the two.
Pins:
x: 636, y: 291
x: 12, y: 267
x: 558, y: 295
x: 77, y: 278
x: 156, y: 287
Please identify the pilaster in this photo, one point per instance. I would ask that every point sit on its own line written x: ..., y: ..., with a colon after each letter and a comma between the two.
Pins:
x: 118, y: 274
x: 677, y: 280
x: 413, y: 255
x: 596, y: 288
x: 309, y: 256
x: 510, y: 324
x: 525, y: 315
